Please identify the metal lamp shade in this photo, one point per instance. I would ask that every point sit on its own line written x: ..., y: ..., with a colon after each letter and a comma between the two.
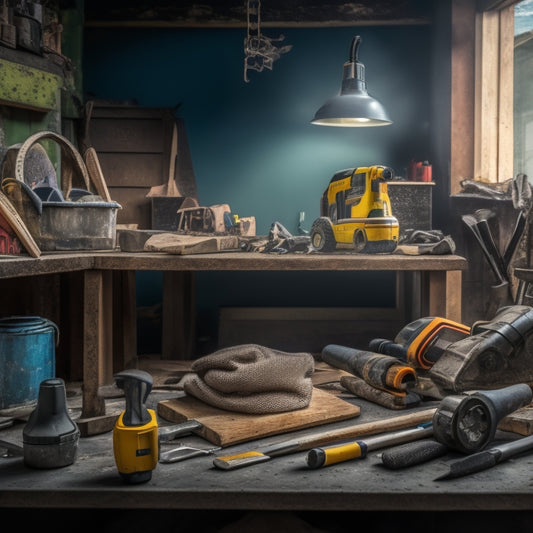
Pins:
x: 353, y: 106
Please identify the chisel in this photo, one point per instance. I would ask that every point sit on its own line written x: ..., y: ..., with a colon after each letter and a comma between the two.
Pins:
x: 319, y: 457
x: 231, y: 462
x: 479, y: 461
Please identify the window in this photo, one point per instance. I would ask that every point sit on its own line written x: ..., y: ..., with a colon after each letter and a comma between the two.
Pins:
x: 522, y: 91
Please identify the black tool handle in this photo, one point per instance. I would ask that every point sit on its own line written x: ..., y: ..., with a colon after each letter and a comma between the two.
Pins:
x: 413, y: 453
x: 515, y: 447
x: 137, y: 385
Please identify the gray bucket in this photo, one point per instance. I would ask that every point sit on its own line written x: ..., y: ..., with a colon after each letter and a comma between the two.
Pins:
x: 27, y: 357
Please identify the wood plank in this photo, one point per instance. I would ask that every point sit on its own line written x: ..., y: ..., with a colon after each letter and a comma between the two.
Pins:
x: 174, y: 243
x: 133, y: 169
x: 225, y: 428
x: 521, y: 421
x: 93, y: 344
x: 506, y: 95
x: 494, y: 95
x: 11, y: 216
x: 462, y: 121
x: 179, y: 315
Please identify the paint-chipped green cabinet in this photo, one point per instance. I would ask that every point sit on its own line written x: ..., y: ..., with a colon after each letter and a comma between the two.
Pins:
x: 30, y: 96
x: 29, y: 87
x: 43, y: 92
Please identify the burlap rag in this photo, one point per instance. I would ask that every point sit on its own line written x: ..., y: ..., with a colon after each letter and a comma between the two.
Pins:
x: 254, y: 379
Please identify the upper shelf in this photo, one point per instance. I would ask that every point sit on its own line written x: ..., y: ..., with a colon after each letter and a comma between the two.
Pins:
x: 277, y: 13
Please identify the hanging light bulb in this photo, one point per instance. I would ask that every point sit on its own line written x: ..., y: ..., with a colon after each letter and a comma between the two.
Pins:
x: 353, y: 106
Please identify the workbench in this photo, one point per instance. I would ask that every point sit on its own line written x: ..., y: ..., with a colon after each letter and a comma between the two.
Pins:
x: 440, y: 278
x: 180, y: 494
x: 283, y: 483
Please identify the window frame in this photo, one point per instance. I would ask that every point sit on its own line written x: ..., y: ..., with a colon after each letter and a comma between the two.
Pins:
x: 482, y: 53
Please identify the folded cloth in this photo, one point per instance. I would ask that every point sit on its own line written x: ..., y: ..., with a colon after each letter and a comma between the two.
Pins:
x: 254, y: 379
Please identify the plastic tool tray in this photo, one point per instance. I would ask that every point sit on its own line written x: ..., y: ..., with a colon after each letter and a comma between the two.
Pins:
x: 70, y: 218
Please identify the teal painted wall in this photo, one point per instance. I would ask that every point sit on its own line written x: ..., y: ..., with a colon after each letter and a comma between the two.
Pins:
x: 252, y: 144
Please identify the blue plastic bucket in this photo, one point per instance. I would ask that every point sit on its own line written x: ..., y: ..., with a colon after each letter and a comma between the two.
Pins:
x: 27, y: 357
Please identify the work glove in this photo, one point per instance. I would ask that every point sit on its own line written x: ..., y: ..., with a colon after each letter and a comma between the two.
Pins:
x: 254, y: 379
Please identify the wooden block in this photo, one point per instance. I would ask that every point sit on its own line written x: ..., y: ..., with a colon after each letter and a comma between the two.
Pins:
x: 96, y: 425
x: 521, y: 421
x: 173, y: 243
x: 133, y: 240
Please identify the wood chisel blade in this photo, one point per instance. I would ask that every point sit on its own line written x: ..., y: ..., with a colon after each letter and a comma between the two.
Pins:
x: 231, y: 462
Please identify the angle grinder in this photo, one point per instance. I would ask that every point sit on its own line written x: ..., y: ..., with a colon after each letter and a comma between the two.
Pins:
x: 462, y: 422
x: 135, y: 435
x: 468, y: 422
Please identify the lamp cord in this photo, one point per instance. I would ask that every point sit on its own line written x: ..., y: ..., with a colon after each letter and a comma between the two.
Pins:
x: 354, y: 49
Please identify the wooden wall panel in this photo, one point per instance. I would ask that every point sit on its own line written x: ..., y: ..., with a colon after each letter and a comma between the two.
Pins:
x: 133, y: 146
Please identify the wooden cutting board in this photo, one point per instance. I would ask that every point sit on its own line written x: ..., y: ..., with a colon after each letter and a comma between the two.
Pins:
x: 224, y: 428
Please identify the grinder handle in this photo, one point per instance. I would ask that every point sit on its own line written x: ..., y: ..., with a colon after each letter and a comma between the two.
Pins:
x: 508, y: 399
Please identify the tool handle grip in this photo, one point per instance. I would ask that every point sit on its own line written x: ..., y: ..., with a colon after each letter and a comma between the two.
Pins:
x: 319, y: 457
x: 412, y: 453
x: 471, y: 464
x: 515, y: 447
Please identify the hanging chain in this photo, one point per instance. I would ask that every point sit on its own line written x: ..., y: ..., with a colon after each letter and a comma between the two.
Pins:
x: 260, y: 52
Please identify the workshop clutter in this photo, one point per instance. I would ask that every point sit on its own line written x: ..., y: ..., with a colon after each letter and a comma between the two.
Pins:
x: 419, y: 171
x: 58, y: 216
x: 447, y: 357
x: 216, y: 219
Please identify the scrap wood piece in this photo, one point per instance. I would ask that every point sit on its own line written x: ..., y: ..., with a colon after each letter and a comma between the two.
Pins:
x: 224, y: 428
x: 13, y: 219
x: 133, y: 240
x: 174, y: 243
x: 521, y: 421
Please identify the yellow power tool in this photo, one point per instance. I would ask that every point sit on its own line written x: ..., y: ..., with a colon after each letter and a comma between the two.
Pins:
x: 135, y: 435
x: 355, y: 212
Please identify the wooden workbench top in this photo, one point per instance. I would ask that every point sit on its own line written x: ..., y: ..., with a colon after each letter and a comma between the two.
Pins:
x: 282, y: 483
x: 58, y: 262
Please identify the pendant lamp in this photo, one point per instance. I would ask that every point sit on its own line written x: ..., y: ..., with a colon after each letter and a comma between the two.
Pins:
x: 353, y: 106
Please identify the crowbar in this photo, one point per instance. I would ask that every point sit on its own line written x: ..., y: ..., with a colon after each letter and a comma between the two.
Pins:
x: 231, y: 462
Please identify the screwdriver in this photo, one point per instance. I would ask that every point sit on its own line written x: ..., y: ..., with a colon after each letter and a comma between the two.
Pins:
x: 319, y: 457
